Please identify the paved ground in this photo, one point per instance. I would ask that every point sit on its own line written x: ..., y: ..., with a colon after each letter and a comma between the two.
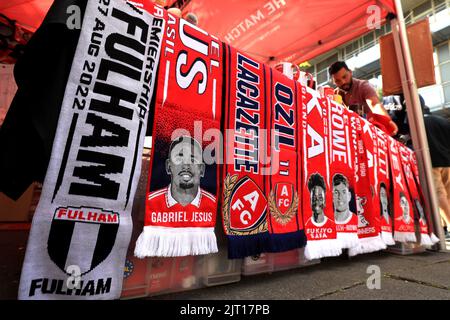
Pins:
x: 420, y: 276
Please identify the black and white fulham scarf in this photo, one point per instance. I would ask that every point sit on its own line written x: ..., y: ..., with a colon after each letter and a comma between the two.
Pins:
x: 82, y: 226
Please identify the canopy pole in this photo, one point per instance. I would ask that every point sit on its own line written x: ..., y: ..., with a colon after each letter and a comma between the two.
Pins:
x: 415, y: 120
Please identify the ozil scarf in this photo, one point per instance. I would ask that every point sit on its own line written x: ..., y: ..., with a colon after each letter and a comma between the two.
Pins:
x: 368, y: 219
x: 244, y: 201
x: 427, y: 238
x: 382, y: 203
x: 181, y: 201
x: 318, y: 217
x: 341, y: 153
x: 82, y: 225
x: 404, y: 230
x: 283, y: 181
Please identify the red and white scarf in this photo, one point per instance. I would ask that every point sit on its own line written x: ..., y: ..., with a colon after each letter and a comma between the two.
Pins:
x: 382, y: 202
x: 404, y: 230
x: 427, y: 237
x: 341, y: 152
x: 181, y: 202
x: 318, y: 217
x: 368, y: 218
x: 284, y: 178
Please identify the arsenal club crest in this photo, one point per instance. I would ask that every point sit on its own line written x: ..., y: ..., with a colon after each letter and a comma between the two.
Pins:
x: 82, y: 236
x: 244, y: 206
x: 283, y: 203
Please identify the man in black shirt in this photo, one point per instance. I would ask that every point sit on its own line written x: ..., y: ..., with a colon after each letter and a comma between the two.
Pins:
x: 438, y: 136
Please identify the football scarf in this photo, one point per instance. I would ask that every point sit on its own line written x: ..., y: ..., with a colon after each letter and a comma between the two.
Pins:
x: 427, y: 238
x: 283, y: 181
x: 382, y: 202
x: 368, y: 220
x: 82, y: 225
x: 244, y: 202
x: 434, y: 239
x: 318, y: 217
x: 181, y: 202
x: 404, y: 230
x: 341, y: 153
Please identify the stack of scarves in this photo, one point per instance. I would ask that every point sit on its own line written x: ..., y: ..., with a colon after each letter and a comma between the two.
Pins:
x: 284, y: 166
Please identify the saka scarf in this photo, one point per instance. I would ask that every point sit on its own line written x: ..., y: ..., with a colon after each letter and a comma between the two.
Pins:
x: 181, y: 201
x: 318, y: 217
x: 368, y: 219
x: 82, y: 225
x: 404, y: 230
x: 382, y: 203
x: 427, y: 237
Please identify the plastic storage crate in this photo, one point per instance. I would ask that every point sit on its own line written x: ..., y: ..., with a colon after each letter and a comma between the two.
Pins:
x: 261, y: 263
x: 218, y: 269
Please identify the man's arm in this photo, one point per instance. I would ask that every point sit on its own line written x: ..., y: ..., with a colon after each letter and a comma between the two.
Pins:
x: 377, y: 109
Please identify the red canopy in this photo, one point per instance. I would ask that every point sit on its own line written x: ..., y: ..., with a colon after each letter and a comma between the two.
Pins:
x: 278, y: 30
x: 28, y: 13
x: 287, y: 30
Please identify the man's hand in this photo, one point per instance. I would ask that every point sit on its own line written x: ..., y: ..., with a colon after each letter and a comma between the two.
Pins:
x: 380, y: 115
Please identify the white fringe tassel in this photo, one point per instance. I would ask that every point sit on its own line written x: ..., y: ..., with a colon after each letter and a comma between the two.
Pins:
x: 387, y: 237
x: 175, y: 242
x: 433, y: 238
x: 428, y: 240
x: 367, y: 245
x: 316, y: 249
x: 405, y: 237
x: 347, y: 239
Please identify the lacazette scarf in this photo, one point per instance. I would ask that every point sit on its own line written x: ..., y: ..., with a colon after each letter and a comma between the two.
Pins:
x: 341, y: 152
x: 318, y: 217
x: 404, y: 230
x: 244, y: 201
x: 181, y: 202
x: 382, y: 203
x: 427, y: 238
x: 82, y: 225
x: 368, y: 220
x: 284, y: 178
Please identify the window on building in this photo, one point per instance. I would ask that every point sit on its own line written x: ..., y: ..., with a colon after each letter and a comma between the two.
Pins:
x: 439, y: 5
x: 446, y: 93
x: 322, y: 77
x: 443, y: 55
x: 368, y: 39
x: 422, y: 9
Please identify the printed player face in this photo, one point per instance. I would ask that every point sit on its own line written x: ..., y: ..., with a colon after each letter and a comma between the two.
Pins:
x: 185, y: 165
x: 383, y: 198
x: 317, y: 199
x: 341, y: 197
x: 405, y: 207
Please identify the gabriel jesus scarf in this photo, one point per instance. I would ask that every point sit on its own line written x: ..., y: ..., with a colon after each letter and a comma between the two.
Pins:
x: 244, y: 202
x: 82, y: 225
x: 427, y: 238
x: 403, y: 216
x: 368, y: 220
x: 283, y: 181
x: 382, y: 203
x: 317, y: 206
x: 181, y: 202
x: 341, y: 153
